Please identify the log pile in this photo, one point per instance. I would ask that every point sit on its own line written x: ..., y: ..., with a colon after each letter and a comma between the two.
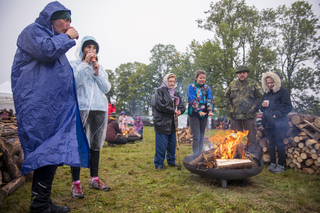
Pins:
x: 11, y: 159
x: 185, y: 136
x: 302, y: 143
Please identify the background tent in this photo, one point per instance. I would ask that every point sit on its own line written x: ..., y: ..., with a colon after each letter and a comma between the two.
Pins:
x: 6, y: 99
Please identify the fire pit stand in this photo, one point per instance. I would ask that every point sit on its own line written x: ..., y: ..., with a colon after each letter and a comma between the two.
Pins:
x: 222, y: 174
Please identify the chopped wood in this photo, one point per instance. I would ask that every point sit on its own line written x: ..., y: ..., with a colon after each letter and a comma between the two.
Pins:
x: 308, y: 171
x: 317, y: 122
x: 309, y: 162
x: 301, y: 145
x: 11, y: 187
x: 313, y: 126
x: 233, y: 164
x: 299, y: 118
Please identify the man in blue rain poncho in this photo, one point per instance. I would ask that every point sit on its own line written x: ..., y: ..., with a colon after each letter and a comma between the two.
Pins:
x: 45, y: 98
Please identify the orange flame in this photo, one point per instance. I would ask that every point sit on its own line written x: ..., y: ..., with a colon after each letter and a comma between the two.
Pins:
x: 228, y: 144
x: 126, y: 130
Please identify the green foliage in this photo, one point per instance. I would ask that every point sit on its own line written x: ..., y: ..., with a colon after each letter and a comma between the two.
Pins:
x: 284, y: 40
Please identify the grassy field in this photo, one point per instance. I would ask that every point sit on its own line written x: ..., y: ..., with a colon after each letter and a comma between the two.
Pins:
x: 137, y: 187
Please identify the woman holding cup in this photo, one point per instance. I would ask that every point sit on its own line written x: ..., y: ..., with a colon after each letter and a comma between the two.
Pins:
x: 92, y: 85
x: 275, y: 106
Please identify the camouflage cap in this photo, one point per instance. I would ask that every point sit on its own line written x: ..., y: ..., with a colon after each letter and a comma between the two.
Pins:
x: 113, y: 114
x: 242, y: 68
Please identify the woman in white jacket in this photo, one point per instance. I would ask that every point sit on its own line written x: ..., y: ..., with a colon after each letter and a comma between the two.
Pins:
x: 92, y: 85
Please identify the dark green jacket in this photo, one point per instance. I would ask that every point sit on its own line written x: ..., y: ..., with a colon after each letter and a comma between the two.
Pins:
x: 243, y: 98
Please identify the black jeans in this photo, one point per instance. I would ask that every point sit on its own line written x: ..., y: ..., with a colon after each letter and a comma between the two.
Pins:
x: 275, y: 137
x: 94, y: 166
x: 198, y: 128
x: 119, y: 140
x: 41, y: 188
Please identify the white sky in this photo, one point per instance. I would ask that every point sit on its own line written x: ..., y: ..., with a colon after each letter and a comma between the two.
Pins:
x: 126, y: 30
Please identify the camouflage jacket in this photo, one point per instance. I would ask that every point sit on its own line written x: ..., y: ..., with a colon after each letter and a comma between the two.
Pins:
x: 243, y: 98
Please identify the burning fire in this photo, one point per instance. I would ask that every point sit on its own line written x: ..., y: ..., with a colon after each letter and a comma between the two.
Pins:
x: 228, y: 144
x: 126, y: 130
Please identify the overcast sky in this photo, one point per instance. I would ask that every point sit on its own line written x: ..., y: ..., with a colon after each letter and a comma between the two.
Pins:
x: 126, y: 30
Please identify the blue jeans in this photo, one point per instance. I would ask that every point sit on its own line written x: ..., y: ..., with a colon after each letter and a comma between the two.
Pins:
x: 198, y: 128
x: 165, y: 143
x: 140, y: 132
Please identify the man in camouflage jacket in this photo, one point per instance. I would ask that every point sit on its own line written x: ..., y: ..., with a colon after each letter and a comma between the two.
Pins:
x: 243, y: 98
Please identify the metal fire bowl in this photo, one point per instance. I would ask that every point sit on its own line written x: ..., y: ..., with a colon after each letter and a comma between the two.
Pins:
x: 222, y: 174
x: 132, y: 138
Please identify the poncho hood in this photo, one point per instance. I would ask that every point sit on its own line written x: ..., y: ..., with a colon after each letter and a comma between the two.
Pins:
x: 46, y: 13
x: 276, y: 79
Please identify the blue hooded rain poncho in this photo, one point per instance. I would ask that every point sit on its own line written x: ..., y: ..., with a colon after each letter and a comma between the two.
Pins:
x: 45, y: 98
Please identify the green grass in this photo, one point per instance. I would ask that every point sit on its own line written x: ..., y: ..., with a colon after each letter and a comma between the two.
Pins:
x: 137, y: 187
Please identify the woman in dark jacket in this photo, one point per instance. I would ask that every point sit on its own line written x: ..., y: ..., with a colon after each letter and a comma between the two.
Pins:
x: 113, y: 135
x: 275, y: 107
x: 166, y: 105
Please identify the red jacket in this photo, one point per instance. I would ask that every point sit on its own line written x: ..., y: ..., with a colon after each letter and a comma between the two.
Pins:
x: 111, y: 108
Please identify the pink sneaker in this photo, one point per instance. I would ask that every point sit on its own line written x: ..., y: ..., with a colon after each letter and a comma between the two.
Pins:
x: 96, y: 184
x: 76, y: 190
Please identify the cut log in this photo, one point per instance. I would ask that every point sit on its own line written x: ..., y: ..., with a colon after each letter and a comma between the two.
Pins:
x: 311, y: 142
x: 317, y: 122
x: 263, y: 142
x: 286, y: 141
x: 261, y: 132
x: 13, y: 146
x: 266, y: 158
x: 197, y: 160
x: 299, y: 118
x: 233, y: 164
x: 301, y: 145
x: 309, y: 162
x: 313, y: 126
x: 12, y: 168
x: 305, y: 156
x: 308, y: 171
x: 314, y: 156
x: 265, y: 149
x: 11, y: 187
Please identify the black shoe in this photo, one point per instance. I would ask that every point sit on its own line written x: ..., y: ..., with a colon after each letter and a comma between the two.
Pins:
x: 160, y: 168
x: 57, y: 209
x: 111, y: 144
x: 174, y: 164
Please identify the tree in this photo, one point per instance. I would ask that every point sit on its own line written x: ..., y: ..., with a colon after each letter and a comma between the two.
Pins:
x: 123, y: 72
x: 298, y: 45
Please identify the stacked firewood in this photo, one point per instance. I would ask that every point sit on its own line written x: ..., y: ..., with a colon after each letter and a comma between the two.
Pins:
x: 302, y: 143
x: 185, y: 136
x: 11, y: 159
